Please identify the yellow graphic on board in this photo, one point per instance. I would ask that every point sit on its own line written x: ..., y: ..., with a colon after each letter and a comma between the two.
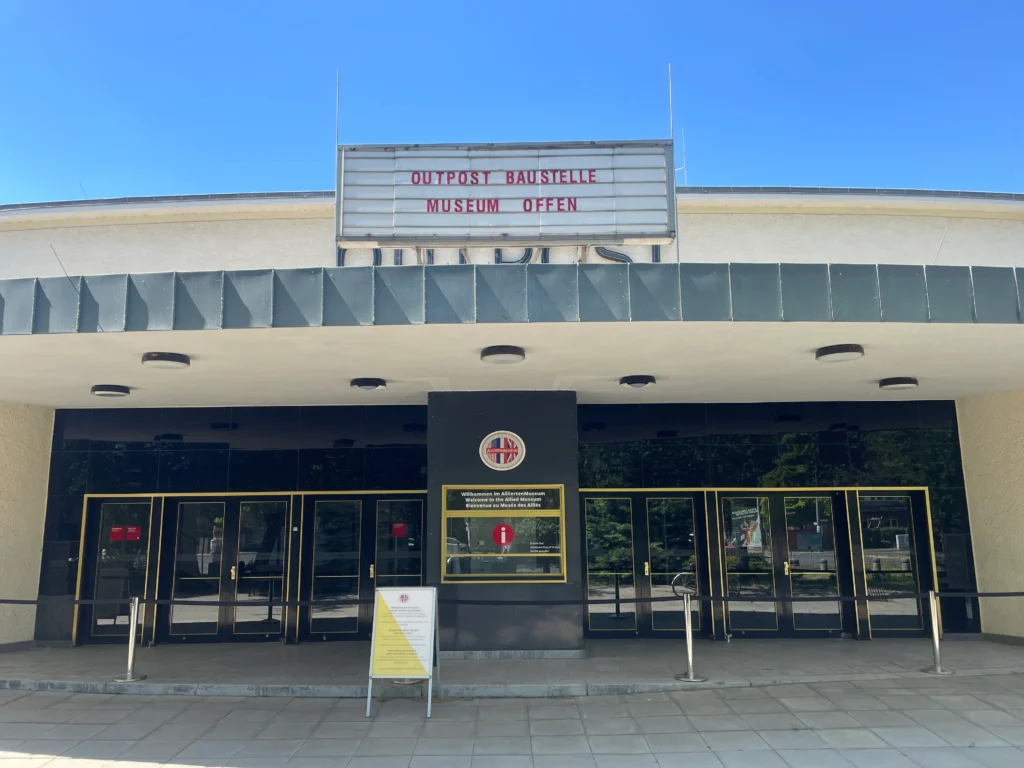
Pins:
x: 393, y: 654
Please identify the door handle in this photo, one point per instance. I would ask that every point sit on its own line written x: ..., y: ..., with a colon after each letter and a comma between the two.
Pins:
x: 234, y: 572
x: 647, y: 569
x: 785, y: 567
x: 371, y: 571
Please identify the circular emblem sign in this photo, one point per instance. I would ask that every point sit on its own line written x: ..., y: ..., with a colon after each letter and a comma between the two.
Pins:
x: 503, y: 535
x: 502, y: 450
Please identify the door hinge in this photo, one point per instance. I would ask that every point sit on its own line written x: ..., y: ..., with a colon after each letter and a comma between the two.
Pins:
x: 371, y: 572
x: 647, y: 569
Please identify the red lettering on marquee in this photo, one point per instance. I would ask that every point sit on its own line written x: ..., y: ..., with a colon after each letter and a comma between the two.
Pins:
x: 475, y: 178
x: 463, y: 205
x: 547, y: 204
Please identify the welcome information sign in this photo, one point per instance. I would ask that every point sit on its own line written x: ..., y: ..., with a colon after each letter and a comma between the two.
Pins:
x: 575, y: 193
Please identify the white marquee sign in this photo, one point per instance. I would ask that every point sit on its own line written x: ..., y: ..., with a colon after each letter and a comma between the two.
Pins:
x: 578, y: 193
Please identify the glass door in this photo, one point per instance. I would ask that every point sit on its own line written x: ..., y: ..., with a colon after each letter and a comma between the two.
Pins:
x: 350, y: 544
x: 891, y: 555
x: 780, y: 544
x: 750, y: 563
x: 640, y: 546
x: 226, y: 549
x: 117, y: 543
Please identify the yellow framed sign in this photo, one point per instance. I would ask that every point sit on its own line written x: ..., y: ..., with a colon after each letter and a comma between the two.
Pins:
x: 405, y: 643
x: 502, y: 534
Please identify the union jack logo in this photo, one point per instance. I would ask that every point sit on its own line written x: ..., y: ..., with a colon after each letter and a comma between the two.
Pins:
x: 502, y: 450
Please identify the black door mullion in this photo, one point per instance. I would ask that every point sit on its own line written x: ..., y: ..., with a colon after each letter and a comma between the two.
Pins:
x: 367, y: 566
x: 642, y: 567
x: 229, y: 572
x: 781, y: 561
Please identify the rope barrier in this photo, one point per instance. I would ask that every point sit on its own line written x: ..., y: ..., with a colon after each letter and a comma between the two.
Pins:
x: 341, y: 602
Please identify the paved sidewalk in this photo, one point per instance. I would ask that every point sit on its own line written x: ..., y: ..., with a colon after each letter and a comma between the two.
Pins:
x: 909, y: 723
x: 619, y: 666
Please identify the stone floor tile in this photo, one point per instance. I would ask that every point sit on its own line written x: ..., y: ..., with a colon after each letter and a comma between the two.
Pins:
x: 883, y: 718
x: 910, y: 701
x: 617, y: 727
x: 97, y: 750
x: 653, y: 709
x: 618, y: 745
x: 154, y: 751
x: 807, y: 704
x: 915, y: 736
x: 967, y: 735
x: 502, y: 761
x: 454, y: 714
x: 206, y: 750
x: 742, y: 760
x: 775, y: 722
x: 1010, y: 734
x: 718, y: 723
x: 390, y: 729
x: 690, y: 760
x: 502, y: 714
x: 989, y: 718
x: 385, y: 747
x: 271, y: 748
x: 1004, y: 700
x: 178, y: 732
x: 996, y: 757
x: 552, y: 711
x: 940, y: 757
x: 428, y: 746
x: 877, y: 758
x: 452, y: 729
x: 327, y: 748
x: 502, y: 745
x: 443, y: 761
x: 960, y: 701
x: 828, y: 720
x: 564, y: 761
x: 68, y: 731
x: 793, y: 739
x: 675, y: 742
x: 858, y: 703
x: 642, y: 697
x: 813, y: 758
x: 509, y: 728
x: 327, y: 730
x: 44, y: 748
x: 733, y: 741
x: 311, y: 762
x: 556, y: 727
x: 560, y: 745
x: 100, y: 716
x: 851, y: 738
x: 678, y: 724
x: 392, y: 761
x: 620, y: 761
x: 756, y: 706
x: 258, y: 762
x: 233, y: 731
x: 603, y: 712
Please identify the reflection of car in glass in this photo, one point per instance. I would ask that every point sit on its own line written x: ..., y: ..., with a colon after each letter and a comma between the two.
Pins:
x: 456, y: 547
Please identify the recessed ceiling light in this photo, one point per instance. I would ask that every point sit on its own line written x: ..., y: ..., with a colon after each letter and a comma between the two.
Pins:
x: 111, y: 390
x: 898, y: 382
x: 839, y: 353
x: 503, y: 354
x: 637, y: 382
x: 166, y: 360
x: 368, y: 384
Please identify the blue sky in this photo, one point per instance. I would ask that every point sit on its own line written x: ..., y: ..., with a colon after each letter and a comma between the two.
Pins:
x: 122, y: 98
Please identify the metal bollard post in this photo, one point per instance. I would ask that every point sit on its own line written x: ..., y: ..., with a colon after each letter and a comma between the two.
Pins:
x: 933, y: 609
x: 133, y: 630
x: 689, y: 677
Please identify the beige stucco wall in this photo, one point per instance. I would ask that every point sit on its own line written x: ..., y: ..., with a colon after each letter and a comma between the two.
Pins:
x: 26, y: 433
x: 992, y: 444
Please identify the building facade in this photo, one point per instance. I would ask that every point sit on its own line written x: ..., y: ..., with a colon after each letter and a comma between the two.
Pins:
x: 579, y: 426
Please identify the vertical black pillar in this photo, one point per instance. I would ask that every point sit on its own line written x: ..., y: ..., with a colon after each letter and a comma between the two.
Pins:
x: 546, y: 423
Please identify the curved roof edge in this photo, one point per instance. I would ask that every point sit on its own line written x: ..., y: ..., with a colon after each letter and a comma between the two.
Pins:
x: 329, y: 194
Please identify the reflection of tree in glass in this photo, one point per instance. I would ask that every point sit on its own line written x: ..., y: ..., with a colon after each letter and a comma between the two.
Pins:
x: 609, y: 536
